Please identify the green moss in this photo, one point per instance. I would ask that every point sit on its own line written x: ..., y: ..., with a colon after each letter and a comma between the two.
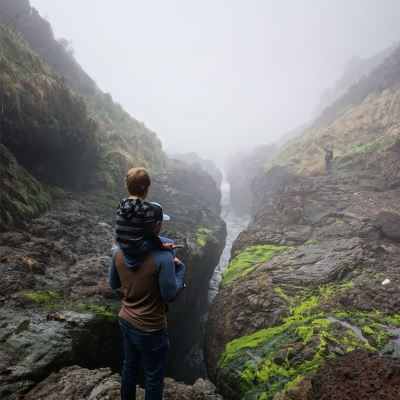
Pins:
x: 362, y: 148
x: 393, y: 320
x: 367, y: 330
x: 48, y: 299
x: 248, y: 363
x: 53, y: 300
x: 204, y: 235
x: 338, y: 221
x: 248, y: 259
x: 311, y: 242
x: 103, y: 311
x: 282, y: 294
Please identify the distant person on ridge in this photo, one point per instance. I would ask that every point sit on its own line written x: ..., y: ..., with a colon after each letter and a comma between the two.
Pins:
x: 142, y: 319
x: 328, y: 160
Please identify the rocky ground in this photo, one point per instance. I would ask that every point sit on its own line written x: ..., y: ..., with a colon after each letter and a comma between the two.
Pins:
x: 305, y: 286
x: 102, y: 384
x: 56, y: 307
x: 356, y: 375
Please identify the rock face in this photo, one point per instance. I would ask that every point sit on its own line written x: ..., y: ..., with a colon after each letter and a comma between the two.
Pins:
x: 318, y: 296
x: 193, y: 159
x: 304, y: 284
x: 241, y: 168
x: 193, y: 202
x: 76, y: 383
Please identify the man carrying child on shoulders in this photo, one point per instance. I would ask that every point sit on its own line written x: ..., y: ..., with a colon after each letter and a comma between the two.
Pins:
x: 145, y: 267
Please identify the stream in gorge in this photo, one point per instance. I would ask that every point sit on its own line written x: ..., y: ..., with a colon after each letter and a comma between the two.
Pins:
x: 235, y: 223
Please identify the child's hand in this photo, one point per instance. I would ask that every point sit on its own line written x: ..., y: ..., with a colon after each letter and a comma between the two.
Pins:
x: 167, y: 246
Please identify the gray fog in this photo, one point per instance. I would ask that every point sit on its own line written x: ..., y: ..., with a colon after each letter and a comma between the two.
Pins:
x: 214, y: 76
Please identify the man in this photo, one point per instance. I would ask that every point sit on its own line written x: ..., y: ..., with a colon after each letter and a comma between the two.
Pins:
x: 142, y: 319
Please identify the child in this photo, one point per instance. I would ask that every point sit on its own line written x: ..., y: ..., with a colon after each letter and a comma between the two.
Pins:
x: 135, y: 220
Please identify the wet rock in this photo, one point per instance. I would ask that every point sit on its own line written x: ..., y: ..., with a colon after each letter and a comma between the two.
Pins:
x: 389, y: 224
x: 76, y: 383
x: 359, y: 375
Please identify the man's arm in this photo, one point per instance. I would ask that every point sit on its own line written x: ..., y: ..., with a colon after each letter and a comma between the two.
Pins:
x: 113, y: 277
x: 170, y: 277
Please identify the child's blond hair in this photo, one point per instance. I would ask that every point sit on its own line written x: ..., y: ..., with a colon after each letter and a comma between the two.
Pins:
x: 138, y: 182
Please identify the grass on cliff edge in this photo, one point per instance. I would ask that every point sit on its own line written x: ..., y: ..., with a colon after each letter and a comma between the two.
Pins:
x: 248, y: 259
x: 22, y: 197
x: 250, y: 366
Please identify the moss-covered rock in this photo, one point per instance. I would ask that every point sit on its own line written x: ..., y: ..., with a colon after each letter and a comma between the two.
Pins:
x: 259, y: 365
x: 248, y: 259
x: 22, y: 197
x: 203, y: 235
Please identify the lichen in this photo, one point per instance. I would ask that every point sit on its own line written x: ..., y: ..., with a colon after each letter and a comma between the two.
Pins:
x: 248, y: 259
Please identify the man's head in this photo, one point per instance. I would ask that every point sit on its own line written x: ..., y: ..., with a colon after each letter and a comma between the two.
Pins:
x: 159, y: 216
x: 138, y: 182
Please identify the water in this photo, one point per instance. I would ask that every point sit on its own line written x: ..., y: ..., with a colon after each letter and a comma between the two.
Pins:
x: 354, y: 328
x: 235, y: 223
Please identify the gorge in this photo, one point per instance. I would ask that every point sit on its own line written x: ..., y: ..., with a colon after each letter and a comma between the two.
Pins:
x: 293, y: 270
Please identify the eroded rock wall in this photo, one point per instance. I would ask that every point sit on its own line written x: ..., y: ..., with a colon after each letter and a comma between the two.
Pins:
x: 305, y: 284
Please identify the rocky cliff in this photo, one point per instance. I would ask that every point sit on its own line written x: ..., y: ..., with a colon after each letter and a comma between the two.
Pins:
x: 303, y: 290
x: 194, y: 160
x: 65, y: 147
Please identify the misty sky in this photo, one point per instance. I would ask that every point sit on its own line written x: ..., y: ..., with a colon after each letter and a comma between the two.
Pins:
x: 216, y: 75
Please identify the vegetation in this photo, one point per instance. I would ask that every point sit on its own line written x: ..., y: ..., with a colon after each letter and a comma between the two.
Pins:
x: 361, y: 134
x: 22, y: 196
x: 277, y: 358
x: 248, y: 259
x: 57, y: 124
x: 204, y: 235
x: 43, y: 297
x: 55, y: 301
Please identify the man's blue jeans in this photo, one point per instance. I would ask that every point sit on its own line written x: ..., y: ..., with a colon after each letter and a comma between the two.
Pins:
x: 148, y: 349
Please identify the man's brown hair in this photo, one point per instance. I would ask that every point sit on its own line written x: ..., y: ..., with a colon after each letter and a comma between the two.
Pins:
x: 137, y: 181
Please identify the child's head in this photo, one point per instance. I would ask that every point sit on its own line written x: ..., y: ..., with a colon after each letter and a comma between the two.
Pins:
x: 138, y: 182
